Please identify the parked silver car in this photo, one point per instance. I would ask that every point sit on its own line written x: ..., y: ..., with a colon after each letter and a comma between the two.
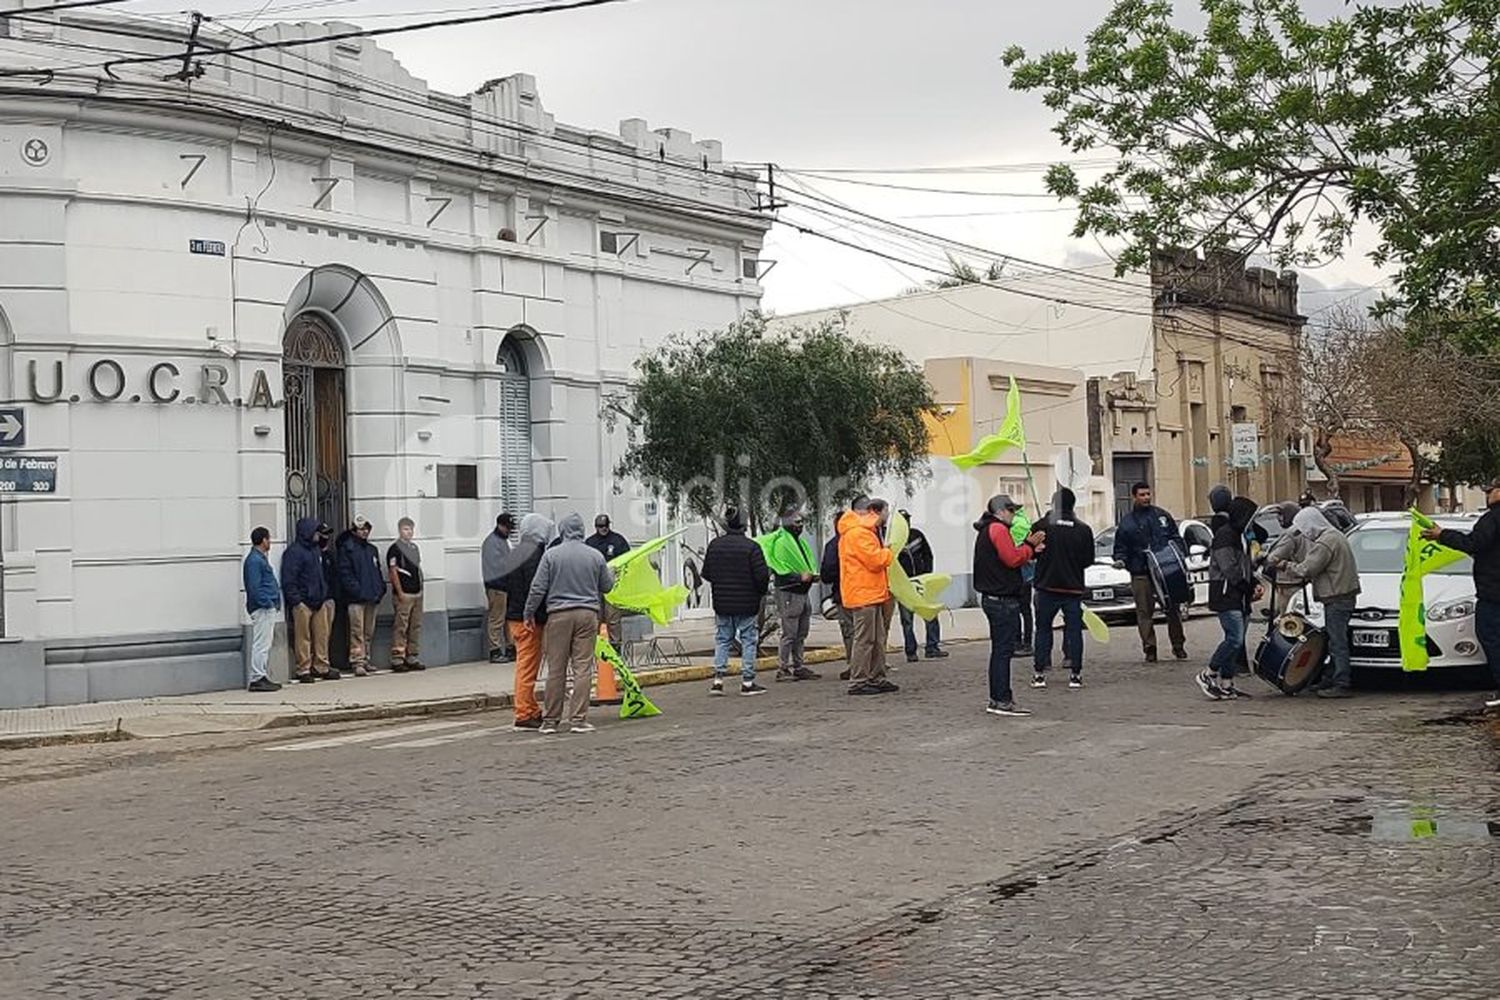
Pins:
x: 1379, y: 544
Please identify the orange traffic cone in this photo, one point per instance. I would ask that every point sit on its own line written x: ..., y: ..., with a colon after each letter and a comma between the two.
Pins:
x: 606, y: 691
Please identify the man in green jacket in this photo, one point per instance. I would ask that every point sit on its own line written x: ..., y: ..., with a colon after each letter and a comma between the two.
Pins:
x: 791, y: 559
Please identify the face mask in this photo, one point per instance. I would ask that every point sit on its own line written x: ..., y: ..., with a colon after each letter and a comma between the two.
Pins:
x: 794, y: 529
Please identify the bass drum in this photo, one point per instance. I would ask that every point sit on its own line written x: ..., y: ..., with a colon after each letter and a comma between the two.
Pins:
x: 1290, y: 657
x: 1169, y: 574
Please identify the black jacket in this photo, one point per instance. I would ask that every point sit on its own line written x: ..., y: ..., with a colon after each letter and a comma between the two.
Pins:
x: 1231, y: 575
x: 302, y: 579
x: 518, y: 588
x: 361, y: 580
x: 997, y: 574
x: 828, y: 572
x: 1483, y: 545
x: 608, y: 546
x: 916, y: 558
x: 1143, y: 530
x: 1068, y: 553
x: 736, y: 569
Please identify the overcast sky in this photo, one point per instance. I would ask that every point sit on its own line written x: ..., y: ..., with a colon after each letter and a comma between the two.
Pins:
x: 813, y: 84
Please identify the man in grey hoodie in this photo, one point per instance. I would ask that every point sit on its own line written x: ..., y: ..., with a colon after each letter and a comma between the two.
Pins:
x: 493, y: 559
x: 570, y: 583
x: 1329, y: 567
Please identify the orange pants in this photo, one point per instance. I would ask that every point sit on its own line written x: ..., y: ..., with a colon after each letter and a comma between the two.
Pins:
x: 528, y: 643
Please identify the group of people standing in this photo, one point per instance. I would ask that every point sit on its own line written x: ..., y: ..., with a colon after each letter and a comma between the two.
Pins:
x: 320, y: 573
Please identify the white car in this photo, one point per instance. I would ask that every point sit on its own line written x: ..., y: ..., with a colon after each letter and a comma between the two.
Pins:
x: 1379, y: 544
x: 1107, y: 588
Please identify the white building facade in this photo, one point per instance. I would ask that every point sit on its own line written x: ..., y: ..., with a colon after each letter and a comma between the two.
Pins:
x: 306, y: 285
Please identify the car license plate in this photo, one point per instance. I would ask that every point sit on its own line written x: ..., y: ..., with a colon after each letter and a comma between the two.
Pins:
x: 1378, y: 638
x: 1106, y: 594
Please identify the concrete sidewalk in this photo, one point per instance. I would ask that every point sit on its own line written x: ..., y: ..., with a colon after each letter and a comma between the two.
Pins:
x: 465, y: 687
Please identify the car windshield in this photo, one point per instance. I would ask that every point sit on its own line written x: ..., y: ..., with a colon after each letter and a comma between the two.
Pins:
x: 1383, y: 550
x: 1271, y: 522
x: 1104, y: 544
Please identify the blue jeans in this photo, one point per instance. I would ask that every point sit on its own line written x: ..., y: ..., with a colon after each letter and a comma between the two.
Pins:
x: 1337, y: 613
x: 1487, y: 630
x: 909, y: 631
x: 1004, y: 616
x: 1048, y: 604
x: 745, y: 629
x: 1226, y: 657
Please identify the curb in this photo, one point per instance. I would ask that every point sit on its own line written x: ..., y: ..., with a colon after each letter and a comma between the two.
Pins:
x: 292, y: 718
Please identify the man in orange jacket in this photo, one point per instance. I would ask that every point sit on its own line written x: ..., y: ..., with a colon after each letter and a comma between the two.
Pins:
x: 864, y: 587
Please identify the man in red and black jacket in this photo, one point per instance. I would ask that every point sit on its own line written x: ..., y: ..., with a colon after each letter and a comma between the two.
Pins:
x: 997, y: 578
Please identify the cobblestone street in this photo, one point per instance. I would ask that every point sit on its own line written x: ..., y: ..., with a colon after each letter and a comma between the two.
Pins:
x: 1128, y: 840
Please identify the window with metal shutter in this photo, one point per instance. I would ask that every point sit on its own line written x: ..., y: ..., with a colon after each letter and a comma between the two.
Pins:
x: 515, y: 445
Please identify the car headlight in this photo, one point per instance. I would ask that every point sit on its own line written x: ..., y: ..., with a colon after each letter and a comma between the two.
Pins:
x: 1447, y: 611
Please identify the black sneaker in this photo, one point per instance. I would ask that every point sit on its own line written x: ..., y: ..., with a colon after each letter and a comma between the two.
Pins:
x: 496, y: 656
x: 804, y: 674
x: 547, y: 728
x: 1180, y: 652
x: 937, y: 654
x: 887, y: 687
x: 1038, y: 680
x: 527, y: 724
x: 786, y: 675
x: 416, y: 666
x: 263, y: 685
x: 1335, y: 692
x: 1209, y: 685
x: 307, y: 678
x: 1150, y: 656
x: 331, y: 674
x: 865, y: 688
x: 717, y: 687
x: 1006, y: 708
x: 751, y: 689
x: 911, y: 657
x: 399, y: 668
x: 1075, y: 681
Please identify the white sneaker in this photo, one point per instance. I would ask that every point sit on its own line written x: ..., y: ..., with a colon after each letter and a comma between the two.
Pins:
x: 717, y: 687
x: 548, y: 728
x: 1493, y: 702
x: 1038, y: 680
x: 582, y: 727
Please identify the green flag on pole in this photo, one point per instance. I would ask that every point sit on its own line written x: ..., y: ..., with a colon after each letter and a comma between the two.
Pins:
x: 1012, y: 434
x: 1422, y: 557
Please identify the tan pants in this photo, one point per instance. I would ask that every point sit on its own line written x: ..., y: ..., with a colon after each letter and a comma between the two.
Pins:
x: 310, y: 636
x: 406, y: 632
x: 569, y: 641
x: 495, y: 625
x: 871, y: 627
x: 361, y: 633
x: 1146, y: 601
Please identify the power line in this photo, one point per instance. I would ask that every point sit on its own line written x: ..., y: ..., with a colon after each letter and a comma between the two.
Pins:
x: 969, y: 192
x: 70, y: 5
x: 339, y: 36
x: 423, y: 109
x: 984, y: 168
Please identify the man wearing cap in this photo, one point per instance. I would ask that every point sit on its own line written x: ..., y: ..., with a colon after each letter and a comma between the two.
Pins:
x: 796, y: 569
x: 916, y: 559
x: 997, y: 578
x: 493, y: 559
x: 570, y: 583
x: 362, y: 585
x: 1482, y: 544
x: 864, y: 587
x: 608, y: 543
x: 736, y: 568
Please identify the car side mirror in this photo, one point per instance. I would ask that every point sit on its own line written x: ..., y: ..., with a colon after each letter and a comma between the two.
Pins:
x: 1197, y: 550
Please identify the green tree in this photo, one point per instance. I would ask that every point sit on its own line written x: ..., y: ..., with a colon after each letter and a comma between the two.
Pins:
x: 1270, y: 133
x: 962, y: 273
x: 769, y: 418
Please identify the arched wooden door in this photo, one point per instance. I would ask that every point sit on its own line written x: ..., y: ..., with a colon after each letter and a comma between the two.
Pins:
x: 317, y: 422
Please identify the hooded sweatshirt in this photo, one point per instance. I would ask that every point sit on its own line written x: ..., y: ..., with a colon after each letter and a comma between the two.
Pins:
x: 492, y: 558
x: 1231, y: 573
x: 302, y: 579
x: 517, y: 568
x: 1329, y: 564
x: 1069, y: 551
x: 360, y: 578
x: 571, y: 575
x: 863, y: 562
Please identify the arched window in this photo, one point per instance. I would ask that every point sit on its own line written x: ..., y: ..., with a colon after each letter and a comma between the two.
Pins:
x: 312, y: 370
x: 515, y: 427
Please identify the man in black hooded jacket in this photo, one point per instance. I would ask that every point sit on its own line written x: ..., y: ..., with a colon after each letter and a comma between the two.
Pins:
x: 1059, y: 587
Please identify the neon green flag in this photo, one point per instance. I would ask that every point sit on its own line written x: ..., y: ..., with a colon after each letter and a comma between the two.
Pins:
x: 1422, y: 557
x: 1012, y: 434
x: 1020, y: 527
x: 638, y: 586
x: 916, y: 594
x: 786, y: 553
x: 1097, y: 629
x: 636, y: 705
